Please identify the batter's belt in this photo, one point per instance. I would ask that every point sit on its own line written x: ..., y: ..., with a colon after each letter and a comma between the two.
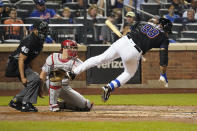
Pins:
x: 133, y: 43
x: 138, y: 48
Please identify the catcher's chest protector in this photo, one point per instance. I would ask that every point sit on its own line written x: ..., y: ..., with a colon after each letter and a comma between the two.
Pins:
x: 58, y: 63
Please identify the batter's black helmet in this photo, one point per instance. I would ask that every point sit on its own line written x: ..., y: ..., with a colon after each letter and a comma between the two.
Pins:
x: 42, y: 27
x: 167, y: 25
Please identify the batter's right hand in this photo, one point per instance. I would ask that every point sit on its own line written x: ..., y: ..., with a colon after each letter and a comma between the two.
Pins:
x: 24, y: 81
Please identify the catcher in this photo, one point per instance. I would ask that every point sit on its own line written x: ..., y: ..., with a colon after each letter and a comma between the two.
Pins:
x: 54, y: 72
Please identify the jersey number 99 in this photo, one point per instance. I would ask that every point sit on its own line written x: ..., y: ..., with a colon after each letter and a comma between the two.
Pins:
x: 150, y: 31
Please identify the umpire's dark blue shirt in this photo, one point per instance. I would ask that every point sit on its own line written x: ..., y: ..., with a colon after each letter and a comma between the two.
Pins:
x: 30, y: 46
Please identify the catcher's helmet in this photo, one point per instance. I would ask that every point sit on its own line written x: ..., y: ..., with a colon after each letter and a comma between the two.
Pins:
x: 71, y: 46
x: 42, y: 27
x: 167, y: 25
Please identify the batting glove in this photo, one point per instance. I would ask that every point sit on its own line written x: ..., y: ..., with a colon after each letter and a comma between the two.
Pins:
x: 71, y: 75
x: 163, y: 78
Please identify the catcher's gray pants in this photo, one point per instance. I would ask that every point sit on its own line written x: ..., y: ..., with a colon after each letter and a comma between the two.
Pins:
x: 72, y: 99
x: 30, y: 92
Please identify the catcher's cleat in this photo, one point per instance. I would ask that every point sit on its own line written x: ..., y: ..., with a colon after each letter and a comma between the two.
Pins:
x: 28, y: 107
x: 88, y: 108
x: 106, y: 93
x: 15, y: 105
x: 91, y: 106
x: 55, y: 108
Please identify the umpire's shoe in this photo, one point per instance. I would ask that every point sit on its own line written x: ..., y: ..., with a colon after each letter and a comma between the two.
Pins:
x: 106, y: 93
x: 15, y: 105
x: 28, y: 107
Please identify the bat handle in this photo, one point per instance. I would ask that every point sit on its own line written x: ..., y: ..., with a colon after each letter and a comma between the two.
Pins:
x: 143, y: 59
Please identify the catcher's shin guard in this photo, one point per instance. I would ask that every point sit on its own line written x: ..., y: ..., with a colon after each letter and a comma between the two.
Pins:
x: 106, y: 93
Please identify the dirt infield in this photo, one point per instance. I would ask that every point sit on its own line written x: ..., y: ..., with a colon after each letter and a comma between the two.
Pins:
x: 185, y: 114
x: 97, y: 91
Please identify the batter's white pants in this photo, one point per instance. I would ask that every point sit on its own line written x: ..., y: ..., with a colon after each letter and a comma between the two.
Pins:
x: 122, y: 48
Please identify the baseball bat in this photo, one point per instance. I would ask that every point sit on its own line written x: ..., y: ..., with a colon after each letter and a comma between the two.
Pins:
x: 117, y: 32
x: 113, y: 28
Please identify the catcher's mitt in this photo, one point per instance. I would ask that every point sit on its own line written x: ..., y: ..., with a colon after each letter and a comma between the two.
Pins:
x: 57, y: 75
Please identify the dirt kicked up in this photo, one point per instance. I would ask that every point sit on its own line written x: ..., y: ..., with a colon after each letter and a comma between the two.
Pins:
x: 185, y: 114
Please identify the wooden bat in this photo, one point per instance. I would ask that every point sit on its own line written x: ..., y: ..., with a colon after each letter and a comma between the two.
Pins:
x: 117, y: 32
x: 113, y: 28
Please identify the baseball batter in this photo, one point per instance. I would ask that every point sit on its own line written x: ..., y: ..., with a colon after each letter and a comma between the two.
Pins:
x: 56, y: 64
x: 143, y: 37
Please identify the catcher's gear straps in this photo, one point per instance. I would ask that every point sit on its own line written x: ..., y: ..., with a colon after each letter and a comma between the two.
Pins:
x: 55, y: 87
x: 58, y: 57
x: 52, y: 59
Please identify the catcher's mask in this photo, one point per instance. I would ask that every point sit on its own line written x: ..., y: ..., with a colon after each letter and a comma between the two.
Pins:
x: 166, y: 24
x: 71, y: 46
x: 43, y: 29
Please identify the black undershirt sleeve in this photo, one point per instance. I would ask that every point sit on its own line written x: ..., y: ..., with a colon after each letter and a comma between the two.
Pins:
x: 164, y: 53
x: 164, y: 57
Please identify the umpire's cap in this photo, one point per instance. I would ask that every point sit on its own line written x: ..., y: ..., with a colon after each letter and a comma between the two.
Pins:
x: 42, y: 27
x: 167, y: 25
x: 40, y: 24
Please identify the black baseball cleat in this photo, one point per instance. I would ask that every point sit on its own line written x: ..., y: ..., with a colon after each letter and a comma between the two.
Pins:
x: 106, y: 93
x: 15, y: 105
x: 28, y: 107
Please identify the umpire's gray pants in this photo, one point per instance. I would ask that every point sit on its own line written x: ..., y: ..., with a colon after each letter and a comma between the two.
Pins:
x: 30, y: 92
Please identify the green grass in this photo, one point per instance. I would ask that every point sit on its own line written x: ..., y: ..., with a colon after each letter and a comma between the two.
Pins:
x: 96, y: 126
x: 140, y: 99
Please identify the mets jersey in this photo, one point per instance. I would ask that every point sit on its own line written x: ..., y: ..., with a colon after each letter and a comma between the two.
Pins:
x: 148, y: 36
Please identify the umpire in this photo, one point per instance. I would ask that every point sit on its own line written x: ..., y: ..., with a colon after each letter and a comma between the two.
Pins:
x: 19, y: 65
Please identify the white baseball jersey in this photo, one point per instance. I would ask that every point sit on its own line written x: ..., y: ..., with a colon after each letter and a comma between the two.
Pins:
x: 54, y: 61
x: 62, y: 89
